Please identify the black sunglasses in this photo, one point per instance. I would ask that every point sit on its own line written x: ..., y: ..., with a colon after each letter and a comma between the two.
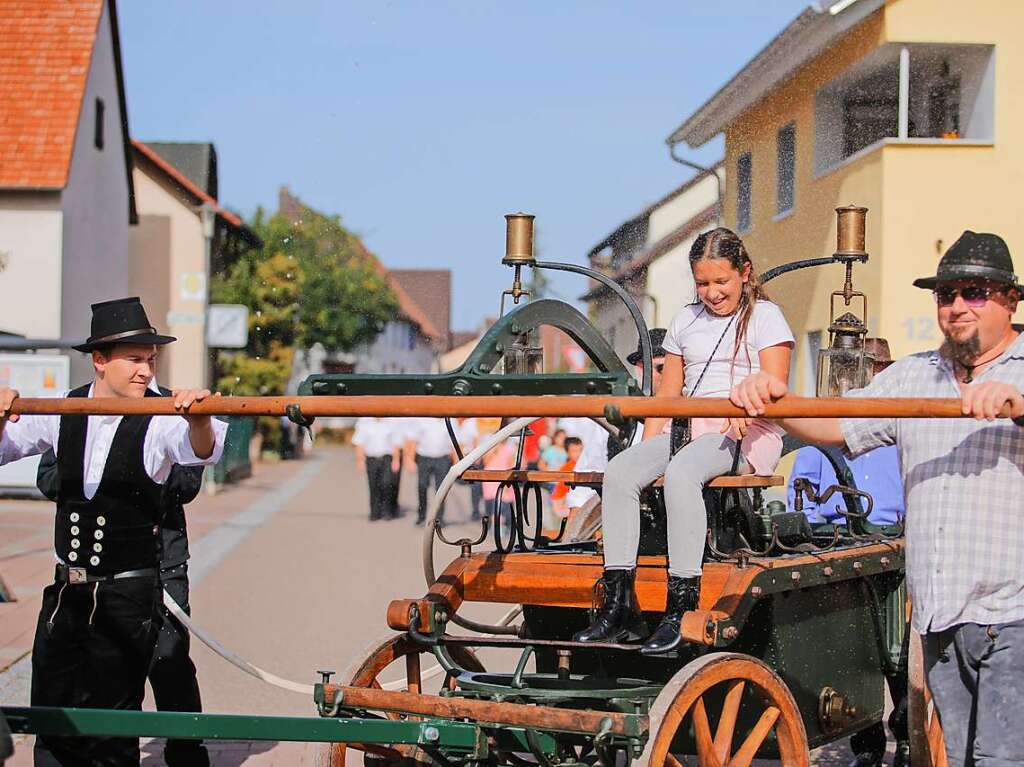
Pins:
x: 973, y: 295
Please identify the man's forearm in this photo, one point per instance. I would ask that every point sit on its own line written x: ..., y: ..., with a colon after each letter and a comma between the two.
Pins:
x: 817, y: 431
x: 202, y: 438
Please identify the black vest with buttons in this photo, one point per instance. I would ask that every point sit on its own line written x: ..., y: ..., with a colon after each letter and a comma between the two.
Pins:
x: 118, y: 528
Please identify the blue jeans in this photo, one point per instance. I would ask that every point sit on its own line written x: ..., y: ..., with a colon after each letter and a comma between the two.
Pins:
x: 976, y: 677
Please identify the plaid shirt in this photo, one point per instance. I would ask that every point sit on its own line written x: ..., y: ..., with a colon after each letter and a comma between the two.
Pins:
x: 963, y: 481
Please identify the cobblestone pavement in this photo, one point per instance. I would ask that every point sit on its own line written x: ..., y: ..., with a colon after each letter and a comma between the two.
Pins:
x: 287, y: 571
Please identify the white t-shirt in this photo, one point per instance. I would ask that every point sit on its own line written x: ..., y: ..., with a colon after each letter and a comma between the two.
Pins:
x: 695, y: 331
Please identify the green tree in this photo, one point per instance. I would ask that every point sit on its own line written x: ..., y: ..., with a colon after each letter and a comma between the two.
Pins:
x: 312, y: 282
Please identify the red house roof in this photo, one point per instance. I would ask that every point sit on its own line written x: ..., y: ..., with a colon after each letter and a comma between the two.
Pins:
x: 46, y: 48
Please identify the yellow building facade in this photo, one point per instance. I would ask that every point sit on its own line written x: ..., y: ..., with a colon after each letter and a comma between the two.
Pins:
x: 910, y: 110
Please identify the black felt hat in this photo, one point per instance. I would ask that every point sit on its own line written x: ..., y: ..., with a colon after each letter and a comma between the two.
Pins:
x: 122, y: 321
x: 974, y: 256
x: 657, y: 339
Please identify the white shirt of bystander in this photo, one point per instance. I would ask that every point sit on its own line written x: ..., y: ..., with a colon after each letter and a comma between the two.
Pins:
x: 376, y: 437
x: 430, y: 435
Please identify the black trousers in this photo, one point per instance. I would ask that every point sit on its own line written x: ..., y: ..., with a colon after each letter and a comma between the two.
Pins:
x: 426, y: 469
x: 93, y: 647
x: 394, y: 510
x: 172, y: 674
x: 380, y: 479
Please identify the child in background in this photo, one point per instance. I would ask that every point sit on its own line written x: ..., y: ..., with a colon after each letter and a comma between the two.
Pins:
x: 553, y: 456
x: 502, y: 457
x: 573, y: 449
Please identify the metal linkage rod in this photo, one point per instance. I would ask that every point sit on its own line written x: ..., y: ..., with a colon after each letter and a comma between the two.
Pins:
x: 440, y: 406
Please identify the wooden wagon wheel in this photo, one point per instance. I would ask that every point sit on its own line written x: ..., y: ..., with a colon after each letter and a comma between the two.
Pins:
x: 366, y: 671
x: 683, y: 703
x: 927, y: 746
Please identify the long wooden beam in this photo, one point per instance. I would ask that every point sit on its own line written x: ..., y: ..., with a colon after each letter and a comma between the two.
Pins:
x: 514, y: 714
x: 577, y: 406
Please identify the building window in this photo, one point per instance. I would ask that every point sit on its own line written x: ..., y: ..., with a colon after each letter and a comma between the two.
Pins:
x: 928, y: 93
x: 98, y: 134
x: 786, y: 172
x: 744, y: 167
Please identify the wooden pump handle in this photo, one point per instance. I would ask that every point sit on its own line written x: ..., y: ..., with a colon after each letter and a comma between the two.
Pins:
x: 452, y: 406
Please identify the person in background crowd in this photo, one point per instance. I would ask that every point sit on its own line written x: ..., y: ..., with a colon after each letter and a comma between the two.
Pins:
x: 574, y: 449
x: 428, y: 453
x: 100, y: 619
x: 531, y: 444
x: 468, y: 434
x: 398, y: 430
x: 961, y: 478
x: 378, y: 452
x: 554, y: 455
x: 502, y: 457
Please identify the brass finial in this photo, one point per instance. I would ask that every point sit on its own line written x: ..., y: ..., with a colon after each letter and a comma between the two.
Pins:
x: 850, y: 231
x: 518, y: 239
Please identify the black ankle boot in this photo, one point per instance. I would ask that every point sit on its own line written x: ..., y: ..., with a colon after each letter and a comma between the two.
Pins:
x: 683, y: 595
x: 618, y: 619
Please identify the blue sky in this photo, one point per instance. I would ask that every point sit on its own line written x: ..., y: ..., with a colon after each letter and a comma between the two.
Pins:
x: 421, y: 123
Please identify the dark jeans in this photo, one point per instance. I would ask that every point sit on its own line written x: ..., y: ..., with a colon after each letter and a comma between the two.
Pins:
x: 95, y: 654
x: 976, y: 677
x: 427, y: 469
x: 380, y: 479
x: 173, y: 675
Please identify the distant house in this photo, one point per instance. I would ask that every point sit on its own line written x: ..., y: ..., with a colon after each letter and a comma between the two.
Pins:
x: 66, y: 192
x: 410, y: 343
x: 907, y: 107
x: 183, y: 236
x: 431, y: 289
x: 648, y: 255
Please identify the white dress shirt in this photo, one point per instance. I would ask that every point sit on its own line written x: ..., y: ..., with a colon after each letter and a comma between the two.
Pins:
x: 378, y: 437
x: 430, y: 435
x: 167, y: 443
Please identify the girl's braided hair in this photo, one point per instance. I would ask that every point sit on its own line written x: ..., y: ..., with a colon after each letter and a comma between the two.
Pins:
x: 725, y: 243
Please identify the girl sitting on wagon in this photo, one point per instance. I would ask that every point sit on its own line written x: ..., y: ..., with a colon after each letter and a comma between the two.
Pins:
x: 730, y: 332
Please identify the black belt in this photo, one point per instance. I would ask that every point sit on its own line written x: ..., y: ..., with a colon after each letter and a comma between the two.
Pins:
x: 66, y: 574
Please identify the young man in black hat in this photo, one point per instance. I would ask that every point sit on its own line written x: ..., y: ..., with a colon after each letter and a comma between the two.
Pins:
x: 172, y: 674
x: 963, y: 480
x: 99, y: 620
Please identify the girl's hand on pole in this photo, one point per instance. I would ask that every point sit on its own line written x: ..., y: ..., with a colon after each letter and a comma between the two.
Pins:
x: 737, y: 426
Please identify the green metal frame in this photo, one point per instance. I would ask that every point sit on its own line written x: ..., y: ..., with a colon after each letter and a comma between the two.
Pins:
x: 97, y: 722
x: 475, y: 376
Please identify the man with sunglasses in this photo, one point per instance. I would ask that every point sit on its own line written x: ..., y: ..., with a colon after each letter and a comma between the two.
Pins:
x: 963, y: 480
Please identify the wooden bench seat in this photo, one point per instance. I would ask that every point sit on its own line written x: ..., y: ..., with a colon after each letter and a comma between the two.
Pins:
x: 595, y: 477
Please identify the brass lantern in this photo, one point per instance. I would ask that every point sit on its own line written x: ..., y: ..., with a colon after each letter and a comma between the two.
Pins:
x: 846, y: 363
